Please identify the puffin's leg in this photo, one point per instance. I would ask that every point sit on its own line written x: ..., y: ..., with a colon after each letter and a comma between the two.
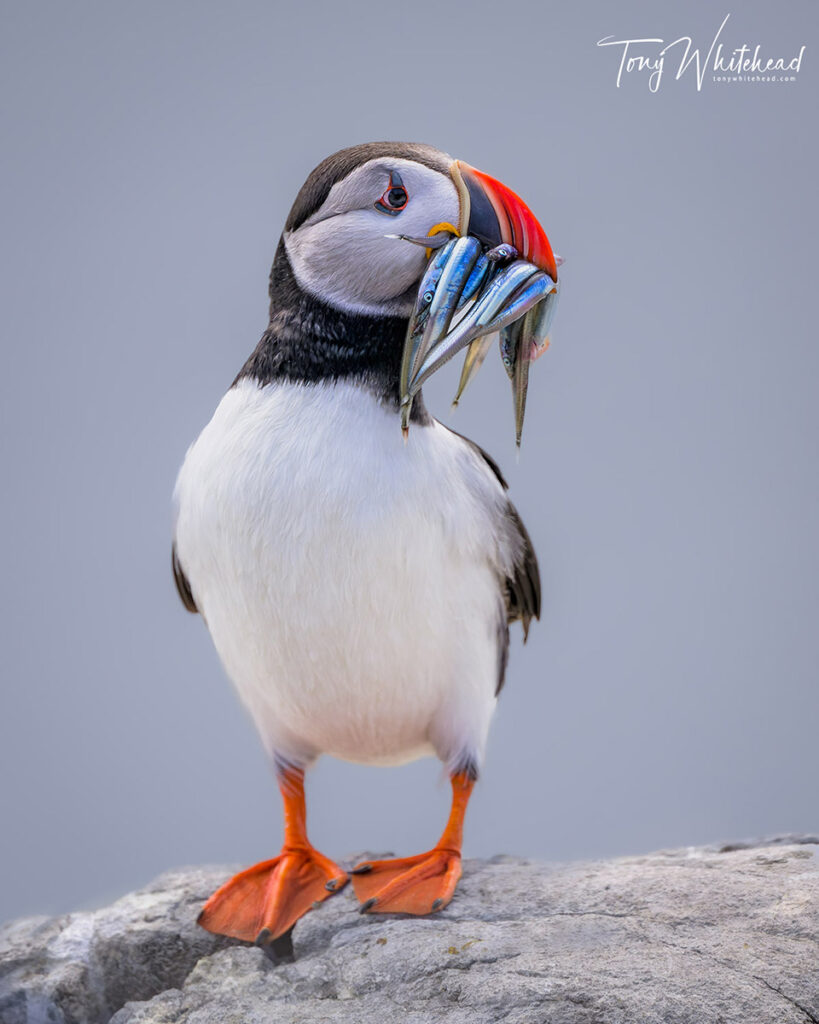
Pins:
x: 421, y: 884
x: 265, y: 901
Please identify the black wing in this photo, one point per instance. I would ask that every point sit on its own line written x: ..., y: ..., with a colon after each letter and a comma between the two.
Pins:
x: 522, y: 588
x: 181, y: 581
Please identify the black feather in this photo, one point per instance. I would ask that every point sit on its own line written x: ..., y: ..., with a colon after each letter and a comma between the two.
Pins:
x: 181, y: 580
x: 521, y: 591
x: 308, y: 341
x: 487, y: 458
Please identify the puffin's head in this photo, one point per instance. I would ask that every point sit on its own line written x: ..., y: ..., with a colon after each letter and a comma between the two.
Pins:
x: 343, y: 234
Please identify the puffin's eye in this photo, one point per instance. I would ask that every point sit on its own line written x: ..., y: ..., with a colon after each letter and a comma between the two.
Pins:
x: 395, y: 197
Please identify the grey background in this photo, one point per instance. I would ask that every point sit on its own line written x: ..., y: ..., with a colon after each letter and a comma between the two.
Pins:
x: 151, y: 152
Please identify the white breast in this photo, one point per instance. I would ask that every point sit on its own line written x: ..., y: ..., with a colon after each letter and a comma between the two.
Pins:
x: 350, y: 580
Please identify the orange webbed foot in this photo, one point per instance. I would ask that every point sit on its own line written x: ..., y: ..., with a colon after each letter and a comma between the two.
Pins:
x: 265, y: 901
x: 422, y: 884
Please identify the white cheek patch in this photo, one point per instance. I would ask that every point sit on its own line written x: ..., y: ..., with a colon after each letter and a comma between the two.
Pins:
x: 343, y: 255
x: 349, y: 262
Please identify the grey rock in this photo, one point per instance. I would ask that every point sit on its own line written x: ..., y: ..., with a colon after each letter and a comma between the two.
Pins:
x: 708, y: 935
x: 81, y: 968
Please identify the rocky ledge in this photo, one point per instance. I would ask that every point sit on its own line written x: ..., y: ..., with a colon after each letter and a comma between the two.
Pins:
x: 693, y: 936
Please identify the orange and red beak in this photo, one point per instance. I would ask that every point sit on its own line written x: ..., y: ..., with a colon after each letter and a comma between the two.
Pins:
x: 494, y: 214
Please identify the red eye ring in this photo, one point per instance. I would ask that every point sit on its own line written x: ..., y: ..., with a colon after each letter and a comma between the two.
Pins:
x: 394, y: 198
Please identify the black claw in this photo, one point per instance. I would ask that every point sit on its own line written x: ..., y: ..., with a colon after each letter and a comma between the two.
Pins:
x: 362, y: 869
x: 278, y: 950
x: 331, y: 885
x: 437, y: 905
x: 366, y: 906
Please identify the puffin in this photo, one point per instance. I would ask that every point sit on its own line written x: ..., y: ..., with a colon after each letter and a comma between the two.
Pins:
x: 358, y: 585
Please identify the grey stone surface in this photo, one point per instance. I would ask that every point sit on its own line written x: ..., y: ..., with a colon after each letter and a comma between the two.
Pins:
x: 695, y: 936
x: 81, y: 968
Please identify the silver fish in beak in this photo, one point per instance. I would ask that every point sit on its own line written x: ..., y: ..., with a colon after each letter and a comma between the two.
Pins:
x: 498, y: 277
x: 497, y: 305
x: 420, y: 314
x: 461, y: 258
